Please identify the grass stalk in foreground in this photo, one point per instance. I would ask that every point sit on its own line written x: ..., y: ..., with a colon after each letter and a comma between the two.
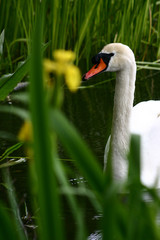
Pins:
x: 20, y: 229
x: 48, y: 200
x: 7, y: 229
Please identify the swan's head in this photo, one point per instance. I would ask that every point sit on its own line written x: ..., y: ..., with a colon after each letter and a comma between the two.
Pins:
x: 112, y: 58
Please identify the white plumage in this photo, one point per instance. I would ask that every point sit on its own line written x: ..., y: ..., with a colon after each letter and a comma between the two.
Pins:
x: 143, y: 119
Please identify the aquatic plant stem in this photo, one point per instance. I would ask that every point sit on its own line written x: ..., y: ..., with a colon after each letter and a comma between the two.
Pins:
x: 48, y: 201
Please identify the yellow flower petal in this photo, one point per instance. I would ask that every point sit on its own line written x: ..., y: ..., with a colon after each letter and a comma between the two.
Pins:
x: 72, y: 77
x: 25, y: 133
x: 49, y: 65
x: 64, y: 56
x: 63, y: 66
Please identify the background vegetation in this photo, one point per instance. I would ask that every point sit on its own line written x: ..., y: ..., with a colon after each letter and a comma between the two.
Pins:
x: 29, y: 32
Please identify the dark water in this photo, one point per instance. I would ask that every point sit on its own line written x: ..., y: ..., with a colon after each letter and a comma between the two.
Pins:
x: 90, y: 110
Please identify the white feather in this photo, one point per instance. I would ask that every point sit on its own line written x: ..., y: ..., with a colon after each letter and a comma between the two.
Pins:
x: 143, y: 119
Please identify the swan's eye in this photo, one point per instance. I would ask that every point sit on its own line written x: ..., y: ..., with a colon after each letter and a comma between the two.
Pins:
x: 111, y: 54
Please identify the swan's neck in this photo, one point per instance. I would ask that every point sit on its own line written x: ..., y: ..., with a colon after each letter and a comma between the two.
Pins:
x: 123, y: 103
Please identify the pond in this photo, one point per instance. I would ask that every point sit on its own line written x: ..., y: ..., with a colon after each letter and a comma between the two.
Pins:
x: 90, y: 110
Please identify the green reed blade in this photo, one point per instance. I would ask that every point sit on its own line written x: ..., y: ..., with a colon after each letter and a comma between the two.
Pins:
x: 141, y: 218
x: 72, y: 201
x: 19, y: 227
x: 7, y: 229
x: 10, y: 150
x: 20, y: 112
x: 7, y: 84
x: 85, y: 24
x: 78, y: 150
x: 134, y: 159
x: 2, y: 42
x: 48, y: 200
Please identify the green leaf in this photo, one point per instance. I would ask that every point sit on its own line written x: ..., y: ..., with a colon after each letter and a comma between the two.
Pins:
x: 16, y: 219
x: 78, y: 150
x: 13, y: 162
x: 9, y: 82
x: 7, y: 229
x: 22, y: 113
x: 134, y: 160
x: 47, y: 192
x: 2, y: 41
x: 84, y: 26
x: 10, y: 150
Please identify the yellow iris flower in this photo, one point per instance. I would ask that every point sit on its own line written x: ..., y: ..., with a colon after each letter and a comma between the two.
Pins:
x: 25, y: 133
x: 63, y: 65
x: 64, y: 56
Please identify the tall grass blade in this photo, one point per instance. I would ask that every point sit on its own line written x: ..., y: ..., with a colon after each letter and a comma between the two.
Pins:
x: 7, y: 84
x: 48, y: 200
x: 20, y: 112
x: 135, y: 196
x: 20, y: 229
x: 140, y: 215
x: 67, y: 190
x: 78, y: 150
x: 7, y: 228
x: 1, y: 42
x: 85, y: 24
x: 134, y: 159
x: 10, y: 150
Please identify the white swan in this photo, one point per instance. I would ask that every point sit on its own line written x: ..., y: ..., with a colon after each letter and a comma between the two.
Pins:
x: 143, y: 119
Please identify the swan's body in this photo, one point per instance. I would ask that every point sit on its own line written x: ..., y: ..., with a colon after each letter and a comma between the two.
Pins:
x: 143, y: 119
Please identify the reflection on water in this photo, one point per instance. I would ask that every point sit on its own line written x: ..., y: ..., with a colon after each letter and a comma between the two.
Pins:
x: 75, y: 181
x: 90, y: 110
x: 97, y: 235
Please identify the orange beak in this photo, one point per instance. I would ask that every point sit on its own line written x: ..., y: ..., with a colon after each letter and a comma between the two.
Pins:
x: 96, y: 69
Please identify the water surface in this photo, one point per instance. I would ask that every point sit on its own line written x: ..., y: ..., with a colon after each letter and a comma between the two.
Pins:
x: 90, y: 110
